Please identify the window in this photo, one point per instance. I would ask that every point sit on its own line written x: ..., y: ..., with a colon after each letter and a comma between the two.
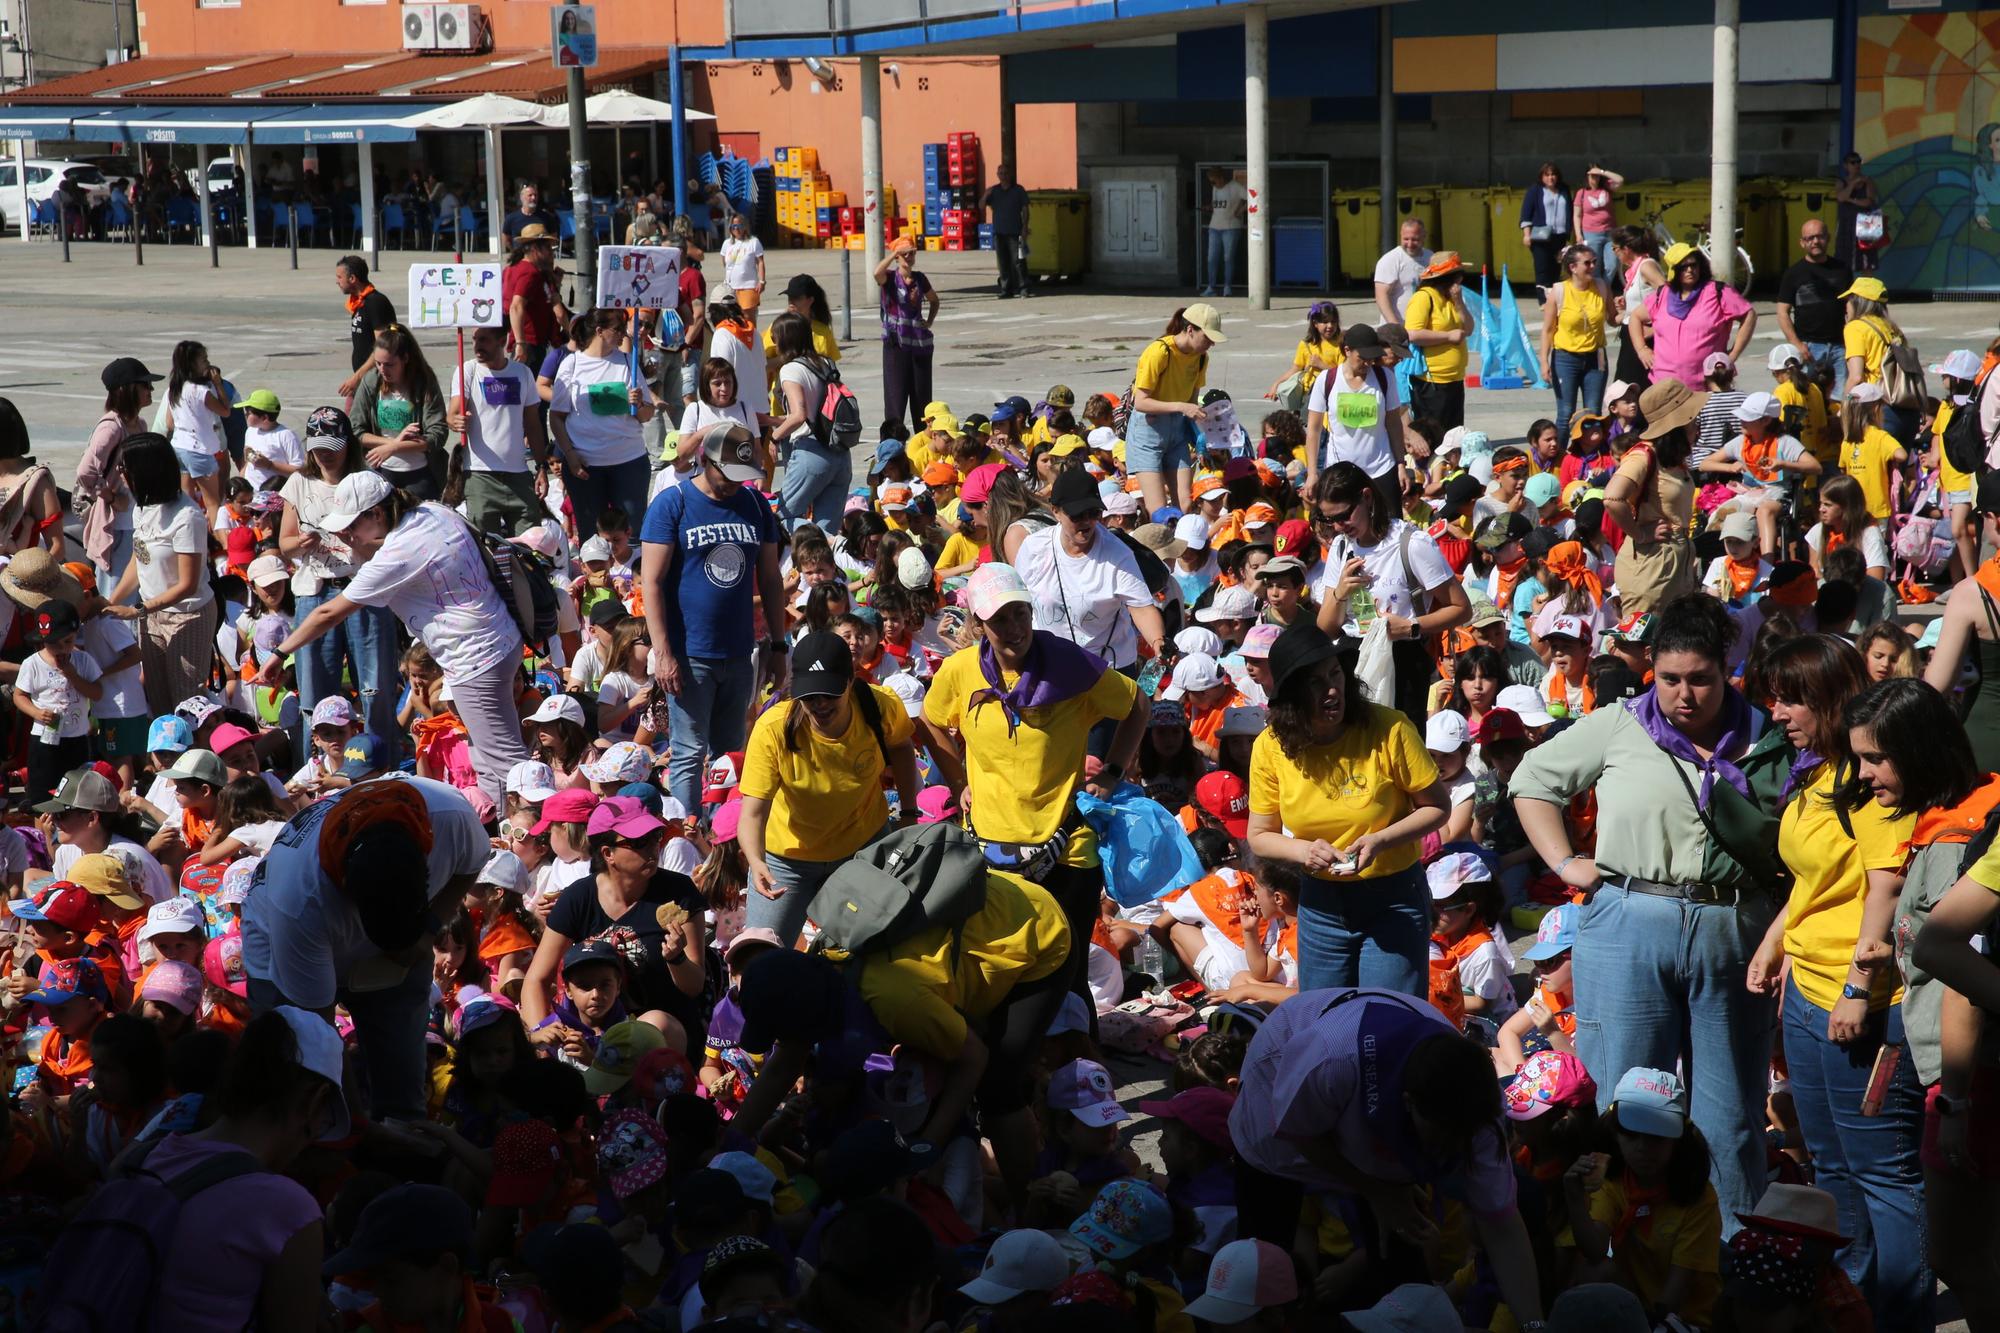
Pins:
x: 219, y: 4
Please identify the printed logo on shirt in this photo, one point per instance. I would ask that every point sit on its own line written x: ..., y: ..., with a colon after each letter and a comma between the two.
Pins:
x: 725, y: 565
x: 501, y: 391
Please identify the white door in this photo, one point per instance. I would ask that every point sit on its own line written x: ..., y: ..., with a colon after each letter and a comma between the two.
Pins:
x: 1116, y: 212
x: 1147, y: 216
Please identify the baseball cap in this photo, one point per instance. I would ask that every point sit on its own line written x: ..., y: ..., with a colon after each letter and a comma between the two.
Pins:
x: 1245, y: 1276
x: 328, y: 428
x: 1868, y: 289
x: 1759, y: 406
x: 1498, y: 724
x: 173, y: 984
x: 631, y: 1150
x: 1204, y: 1110
x: 558, y: 708
x: 53, y: 619
x: 1555, y: 935
x: 404, y: 1222
x: 175, y: 916
x: 1636, y: 628
x: 1451, y: 872
x: 364, y: 754
x: 822, y: 664
x: 757, y: 1181
x: 607, y: 612
x: 623, y: 816
x: 68, y: 978
x: 1257, y: 643
x: 525, y: 1157
x: 481, y: 1010
x: 1195, y: 639
x: 1075, y: 494
x: 935, y: 804
x: 595, y: 547
x: 724, y: 772
x: 622, y: 762
x: 1192, y: 674
x: 1865, y: 392
x: 1462, y: 490
x: 333, y: 711
x: 1526, y: 703
x: 591, y: 951
x: 532, y: 780
x: 991, y: 588
x: 1233, y: 603
x: 786, y: 995
x: 1542, y: 488
x: 1552, y: 619
x: 1783, y: 354
x: 1284, y: 564
x: 228, y: 736
x: 1120, y: 502
x: 86, y: 789
x: 1414, y: 1307
x: 238, y: 880
x: 504, y: 870
x: 104, y: 875
x: 1739, y: 526
x: 1960, y: 365
x: 127, y: 370
x: 1125, y: 1217
x: 1207, y: 318
x: 222, y: 964
x: 1019, y: 1261
x: 733, y: 450
x: 1715, y: 361
x: 168, y: 735
x: 268, y: 569
x: 1796, y: 1210
x: 261, y: 400
x: 1446, y: 732
x: 1548, y: 1081
x: 913, y: 568
x: 1242, y: 720
x: 618, y: 1054
x: 1084, y: 1089
x: 1192, y: 529
x: 1651, y: 1101
x: 1227, y: 797
x: 357, y: 493
x: 572, y: 805
x: 1499, y: 529
x: 62, y: 904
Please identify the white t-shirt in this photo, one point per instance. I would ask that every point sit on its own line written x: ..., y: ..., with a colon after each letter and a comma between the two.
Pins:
x: 49, y: 690
x: 699, y: 414
x: 617, y: 689
x: 495, y: 438
x: 739, y: 262
x: 162, y: 532
x: 591, y: 391
x: 1874, y: 550
x: 197, y: 429
x: 1225, y: 206
x: 302, y: 933
x: 106, y: 639
x: 158, y: 884
x: 799, y: 373
x: 1488, y: 972
x: 746, y: 359
x: 1356, y: 420
x: 587, y: 671
x: 1085, y: 598
x: 429, y: 572
x: 277, y: 444
x: 1383, y: 563
x: 312, y: 500
x: 1398, y: 271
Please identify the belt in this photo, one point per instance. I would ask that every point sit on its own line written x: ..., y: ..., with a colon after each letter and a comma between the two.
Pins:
x: 1699, y: 894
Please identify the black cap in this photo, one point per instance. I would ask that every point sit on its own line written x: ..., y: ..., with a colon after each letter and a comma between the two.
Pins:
x: 1539, y: 542
x: 822, y: 663
x: 1987, y: 498
x: 575, y: 1262
x: 1075, y: 493
x: 406, y: 1222
x: 709, y: 1198
x: 590, y: 951
x: 1301, y: 646
x: 1462, y: 490
x: 328, y: 423
x: 1617, y: 681
x: 128, y: 370
x: 53, y: 619
x: 1361, y: 338
x: 867, y: 1159
x: 607, y: 613
x: 1590, y: 516
x: 789, y: 996
x: 803, y: 285
x: 1393, y: 335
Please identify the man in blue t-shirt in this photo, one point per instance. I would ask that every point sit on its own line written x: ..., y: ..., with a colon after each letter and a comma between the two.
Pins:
x: 708, y: 549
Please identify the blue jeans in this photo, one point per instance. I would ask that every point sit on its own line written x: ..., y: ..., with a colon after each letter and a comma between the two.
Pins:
x: 800, y: 880
x: 707, y: 718
x: 621, y: 484
x: 366, y: 644
x: 1868, y: 1164
x: 389, y: 1040
x: 1224, y: 244
x: 1829, y: 363
x: 1659, y: 983
x: 814, y: 487
x: 1366, y: 932
x: 1599, y: 244
x: 1578, y: 375
x: 1901, y: 423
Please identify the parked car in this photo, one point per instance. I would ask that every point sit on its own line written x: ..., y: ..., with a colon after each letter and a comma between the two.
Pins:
x: 43, y: 177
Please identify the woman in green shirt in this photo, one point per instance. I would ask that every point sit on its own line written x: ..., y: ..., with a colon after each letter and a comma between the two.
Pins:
x: 399, y: 415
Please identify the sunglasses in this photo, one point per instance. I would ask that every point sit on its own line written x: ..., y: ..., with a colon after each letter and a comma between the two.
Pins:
x: 1334, y: 520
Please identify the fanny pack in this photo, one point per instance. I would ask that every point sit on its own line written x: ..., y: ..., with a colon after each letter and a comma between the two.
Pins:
x: 1032, y: 861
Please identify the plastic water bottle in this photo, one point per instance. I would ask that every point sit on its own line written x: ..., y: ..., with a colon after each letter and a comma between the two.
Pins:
x: 1152, y: 959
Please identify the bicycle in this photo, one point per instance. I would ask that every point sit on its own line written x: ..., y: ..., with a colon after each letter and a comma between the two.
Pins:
x: 1698, y: 236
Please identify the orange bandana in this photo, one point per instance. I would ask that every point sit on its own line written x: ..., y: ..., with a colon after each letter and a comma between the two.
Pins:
x: 1566, y: 561
x: 1556, y: 687
x: 382, y: 800
x: 1742, y: 578
x: 1958, y: 823
x: 354, y: 301
x: 1760, y: 457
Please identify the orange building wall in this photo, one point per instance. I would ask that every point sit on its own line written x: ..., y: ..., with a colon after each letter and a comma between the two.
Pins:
x: 923, y: 102
x: 182, y: 27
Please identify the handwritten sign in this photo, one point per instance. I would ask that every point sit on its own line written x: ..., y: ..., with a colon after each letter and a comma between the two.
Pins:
x: 647, y: 277
x: 455, y: 296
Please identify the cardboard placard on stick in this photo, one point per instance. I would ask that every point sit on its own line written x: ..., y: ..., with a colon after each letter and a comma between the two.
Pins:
x: 640, y: 277
x: 462, y: 296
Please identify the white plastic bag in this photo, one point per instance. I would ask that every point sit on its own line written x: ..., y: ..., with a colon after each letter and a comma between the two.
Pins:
x: 1375, y: 671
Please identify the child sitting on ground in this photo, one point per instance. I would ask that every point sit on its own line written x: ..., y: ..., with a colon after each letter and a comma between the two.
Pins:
x: 1548, y: 1020
x: 1080, y: 1118
x: 1465, y: 901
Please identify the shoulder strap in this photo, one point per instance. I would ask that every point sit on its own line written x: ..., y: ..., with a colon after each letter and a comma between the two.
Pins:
x: 222, y: 1167
x: 1420, y: 596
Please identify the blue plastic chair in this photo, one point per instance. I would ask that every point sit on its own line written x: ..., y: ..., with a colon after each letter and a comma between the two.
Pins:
x: 43, y: 218
x: 354, y: 221
x: 118, y: 215
x: 470, y: 229
x: 181, y: 212
x: 393, y: 220
x: 566, y: 231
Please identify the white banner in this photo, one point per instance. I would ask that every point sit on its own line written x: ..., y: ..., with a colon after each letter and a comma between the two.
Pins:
x: 455, y: 296
x: 645, y: 276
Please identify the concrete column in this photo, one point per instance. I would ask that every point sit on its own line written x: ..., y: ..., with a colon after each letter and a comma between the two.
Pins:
x: 1257, y: 153
x: 207, y: 203
x: 1722, y: 150
x: 1007, y: 154
x: 25, y: 211
x: 871, y: 157
x: 249, y: 199
x: 1385, y: 114
x: 370, y: 242
x: 496, y: 210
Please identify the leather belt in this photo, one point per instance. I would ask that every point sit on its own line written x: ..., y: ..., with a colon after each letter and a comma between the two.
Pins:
x: 1699, y: 894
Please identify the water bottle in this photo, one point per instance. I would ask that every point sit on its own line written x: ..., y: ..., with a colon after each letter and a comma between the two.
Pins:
x: 1151, y: 959
x: 1361, y: 608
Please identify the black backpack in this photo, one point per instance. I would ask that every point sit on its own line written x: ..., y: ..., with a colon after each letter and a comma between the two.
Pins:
x: 1964, y: 443
x: 524, y: 578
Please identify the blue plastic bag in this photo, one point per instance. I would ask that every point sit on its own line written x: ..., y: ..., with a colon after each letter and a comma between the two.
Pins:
x: 1146, y: 852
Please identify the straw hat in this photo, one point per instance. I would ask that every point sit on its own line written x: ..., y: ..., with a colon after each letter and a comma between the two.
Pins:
x: 1668, y: 405
x: 33, y: 577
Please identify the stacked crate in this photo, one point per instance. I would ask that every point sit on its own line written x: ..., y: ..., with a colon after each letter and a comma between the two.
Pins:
x: 806, y: 198
x: 948, y: 219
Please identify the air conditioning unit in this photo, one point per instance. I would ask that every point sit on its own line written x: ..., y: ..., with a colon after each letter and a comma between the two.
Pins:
x: 420, y: 27
x: 459, y: 28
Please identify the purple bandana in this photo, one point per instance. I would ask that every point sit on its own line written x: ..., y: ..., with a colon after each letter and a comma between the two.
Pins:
x: 1678, y: 305
x: 1055, y: 670
x: 1735, y: 731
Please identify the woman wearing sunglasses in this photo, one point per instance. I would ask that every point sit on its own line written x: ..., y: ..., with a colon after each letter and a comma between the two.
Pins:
x: 1574, y: 320
x: 1689, y: 320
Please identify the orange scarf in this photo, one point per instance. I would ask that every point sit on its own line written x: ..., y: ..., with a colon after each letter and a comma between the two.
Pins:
x: 1567, y: 562
x: 506, y: 936
x: 1639, y: 1211
x: 354, y: 301
x: 1957, y: 823
x: 739, y: 328
x: 1462, y: 948
x: 1447, y: 995
x: 1742, y: 578
x: 382, y: 800
x: 1760, y: 457
x: 1988, y: 576
x: 1556, y: 688
x: 1505, y: 577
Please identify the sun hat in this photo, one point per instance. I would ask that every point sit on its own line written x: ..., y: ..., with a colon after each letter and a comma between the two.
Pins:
x: 1867, y: 288
x: 1242, y: 720
x: 625, y: 761
x: 174, y: 916
x: 623, y: 816
x: 1668, y: 405
x: 1526, y: 703
x: 1554, y: 935
x: 1244, y: 1277
x: 357, y: 493
x: 571, y: 805
x: 992, y: 588
x: 558, y: 708
x: 1651, y: 1101
x: 1207, y: 318
x: 1204, y: 1110
x: 1451, y: 872
x: 1548, y: 1081
x: 1442, y: 263
x: 1125, y: 1217
x: 1019, y: 1261
x: 1084, y: 1089
x: 1797, y: 1210
x: 1300, y: 647
x: 34, y: 578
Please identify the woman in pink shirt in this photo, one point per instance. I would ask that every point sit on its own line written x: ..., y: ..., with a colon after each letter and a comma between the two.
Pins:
x: 1590, y: 212
x: 1689, y: 319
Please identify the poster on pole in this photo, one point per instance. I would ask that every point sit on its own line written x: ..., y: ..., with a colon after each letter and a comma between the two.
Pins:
x: 455, y: 296
x: 574, y: 38
x: 646, y: 277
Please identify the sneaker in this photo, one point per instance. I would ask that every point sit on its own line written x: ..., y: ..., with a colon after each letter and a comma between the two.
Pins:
x: 1206, y: 291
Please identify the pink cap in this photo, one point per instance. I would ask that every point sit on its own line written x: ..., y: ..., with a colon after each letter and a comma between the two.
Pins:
x: 624, y: 815
x: 1548, y: 1081
x: 722, y: 824
x: 227, y: 735
x: 174, y: 984
x: 572, y: 805
x: 1257, y: 643
x: 994, y: 586
x: 1084, y: 1089
x: 935, y: 804
x: 222, y: 964
x: 1245, y: 1276
x: 1203, y: 1110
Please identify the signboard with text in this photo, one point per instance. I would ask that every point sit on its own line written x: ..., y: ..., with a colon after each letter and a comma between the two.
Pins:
x: 455, y: 296
x: 645, y: 277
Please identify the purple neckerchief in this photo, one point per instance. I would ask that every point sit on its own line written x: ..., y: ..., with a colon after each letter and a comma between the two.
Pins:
x: 1645, y: 708
x: 1802, y: 767
x: 1678, y: 305
x: 1055, y: 670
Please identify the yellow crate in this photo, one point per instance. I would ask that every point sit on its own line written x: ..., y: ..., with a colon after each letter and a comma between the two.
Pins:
x: 835, y: 199
x: 808, y: 157
x: 933, y: 242
x: 857, y: 242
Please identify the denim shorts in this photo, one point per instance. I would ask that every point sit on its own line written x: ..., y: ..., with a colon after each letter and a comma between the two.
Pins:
x: 195, y: 463
x: 1162, y: 442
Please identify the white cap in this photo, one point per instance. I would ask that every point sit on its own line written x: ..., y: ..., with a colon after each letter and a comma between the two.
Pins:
x: 1124, y: 502
x: 1740, y: 525
x: 175, y: 916
x: 1526, y: 703
x: 1019, y: 1261
x: 1960, y: 365
x: 1237, y: 603
x: 1242, y: 720
x: 913, y: 568
x: 1758, y: 406
x: 1195, y: 639
x: 907, y: 688
x: 266, y: 569
x: 756, y: 1180
x: 1715, y: 361
x: 1782, y: 355
x: 333, y: 711
x: 1552, y: 619
x: 357, y: 493
x: 1102, y: 437
x: 505, y: 870
x: 1453, y: 441
x: 1446, y: 732
x: 1864, y: 393
x: 1192, y: 674
x: 1244, y: 1277
x: 532, y: 780
x: 1410, y: 1307
x: 320, y: 1047
x: 1192, y: 529
x: 558, y: 708
x: 1615, y: 390
x: 597, y: 548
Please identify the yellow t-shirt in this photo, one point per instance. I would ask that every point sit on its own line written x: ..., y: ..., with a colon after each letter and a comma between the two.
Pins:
x: 1868, y: 463
x: 1664, y: 1237
x: 1950, y: 479
x: 1328, y: 352
x: 826, y: 797
x: 1985, y: 872
x: 824, y: 344
x: 1579, y: 319
x: 1169, y: 374
x: 1819, y: 442
x: 1444, y: 363
x: 1869, y: 340
x: 1830, y: 869
x: 1020, y: 785
x: 924, y: 988
x: 959, y: 549
x: 1361, y: 783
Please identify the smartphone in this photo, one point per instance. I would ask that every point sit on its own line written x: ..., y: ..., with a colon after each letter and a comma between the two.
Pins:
x: 1190, y: 991
x: 1887, y: 1060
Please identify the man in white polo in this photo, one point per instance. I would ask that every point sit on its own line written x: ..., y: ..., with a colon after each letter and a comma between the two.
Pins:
x: 1396, y: 272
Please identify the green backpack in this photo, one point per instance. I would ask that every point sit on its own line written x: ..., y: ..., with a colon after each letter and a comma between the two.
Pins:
x: 911, y: 880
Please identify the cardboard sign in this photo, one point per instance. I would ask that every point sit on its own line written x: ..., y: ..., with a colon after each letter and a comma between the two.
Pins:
x: 646, y: 277
x: 455, y: 296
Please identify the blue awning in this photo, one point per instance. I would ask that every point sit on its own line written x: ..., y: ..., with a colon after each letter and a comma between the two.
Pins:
x: 168, y: 124
x: 41, y: 122
x: 371, y: 122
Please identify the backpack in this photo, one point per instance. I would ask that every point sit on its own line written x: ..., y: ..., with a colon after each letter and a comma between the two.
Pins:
x: 104, y: 1269
x: 524, y: 578
x: 912, y: 879
x: 836, y: 422
x: 1964, y: 444
x: 1902, y: 371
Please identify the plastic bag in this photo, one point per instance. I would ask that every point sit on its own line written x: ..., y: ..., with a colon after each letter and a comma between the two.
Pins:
x: 1146, y: 852
x: 1375, y: 671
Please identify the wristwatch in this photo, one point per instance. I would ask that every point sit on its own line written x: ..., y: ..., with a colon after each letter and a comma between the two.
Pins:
x: 1853, y: 992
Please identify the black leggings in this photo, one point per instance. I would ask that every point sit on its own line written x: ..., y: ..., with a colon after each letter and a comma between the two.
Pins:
x: 1013, y: 1034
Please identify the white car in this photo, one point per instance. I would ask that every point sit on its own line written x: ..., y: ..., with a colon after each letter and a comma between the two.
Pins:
x: 44, y: 175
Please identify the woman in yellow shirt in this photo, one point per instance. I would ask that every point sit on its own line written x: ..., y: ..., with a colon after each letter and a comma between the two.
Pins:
x: 1867, y: 451
x: 1345, y: 789
x: 812, y: 781
x: 1166, y: 387
x: 1960, y: 373
x: 1439, y: 326
x: 1573, y: 336
x: 1317, y: 352
x: 1846, y: 854
x: 1866, y: 339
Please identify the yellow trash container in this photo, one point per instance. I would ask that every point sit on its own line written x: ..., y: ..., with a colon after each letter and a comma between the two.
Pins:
x: 1058, y: 232
x: 1682, y: 208
x: 1357, y: 225
x: 1760, y: 210
x: 1809, y: 198
x: 1503, y: 214
x: 1463, y: 225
